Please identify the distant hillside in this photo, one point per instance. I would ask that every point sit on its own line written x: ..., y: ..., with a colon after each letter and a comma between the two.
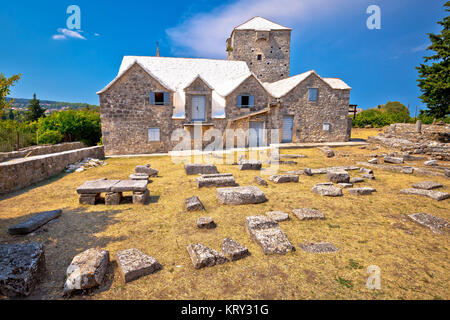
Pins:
x: 47, y: 104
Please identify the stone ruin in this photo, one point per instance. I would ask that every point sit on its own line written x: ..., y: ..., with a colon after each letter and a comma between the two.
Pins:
x: 431, y: 140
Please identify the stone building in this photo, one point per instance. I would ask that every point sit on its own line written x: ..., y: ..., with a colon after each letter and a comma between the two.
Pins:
x: 156, y: 102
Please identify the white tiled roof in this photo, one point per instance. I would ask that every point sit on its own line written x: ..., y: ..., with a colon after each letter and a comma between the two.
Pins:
x: 282, y: 87
x: 259, y: 23
x: 178, y: 73
x: 337, y: 83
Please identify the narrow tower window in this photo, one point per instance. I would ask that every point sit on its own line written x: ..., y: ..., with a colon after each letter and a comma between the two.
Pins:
x: 259, y: 57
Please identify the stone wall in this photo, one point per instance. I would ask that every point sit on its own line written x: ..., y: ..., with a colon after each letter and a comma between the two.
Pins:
x: 274, y: 47
x: 40, y: 150
x: 126, y: 115
x: 309, y: 116
x: 21, y: 173
x: 249, y: 86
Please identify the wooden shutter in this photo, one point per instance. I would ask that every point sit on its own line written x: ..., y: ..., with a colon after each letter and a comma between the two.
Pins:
x: 152, y: 98
x: 251, y: 101
x: 239, y: 101
x: 166, y: 98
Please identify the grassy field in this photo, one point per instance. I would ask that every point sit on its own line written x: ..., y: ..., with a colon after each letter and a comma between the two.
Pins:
x: 368, y: 230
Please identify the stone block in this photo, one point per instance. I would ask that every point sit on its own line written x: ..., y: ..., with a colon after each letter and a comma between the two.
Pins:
x: 368, y: 176
x: 259, y: 180
x: 338, y: 176
x: 194, y: 204
x: 215, y: 181
x: 308, y: 214
x: 206, y: 223
x: 284, y: 178
x: 330, y: 191
x: 268, y: 235
x: 113, y: 198
x: 133, y: 264
x: 87, y: 270
x: 357, y: 180
x: 361, y: 191
x: 147, y: 170
x: 202, y: 256
x: 373, y: 161
x: 395, y: 160
x: 321, y: 247
x: 193, y: 168
x: 96, y: 186
x: 234, y: 250
x: 436, y: 195
x: 34, y: 222
x: 435, y: 224
x: 278, y: 216
x: 327, y: 151
x: 250, y: 165
x: 141, y: 197
x: 90, y: 199
x: 240, y: 195
x: 345, y: 185
x: 139, y: 176
x: 431, y: 163
x: 130, y: 185
x: 427, y: 185
x: 307, y: 172
x: 366, y: 171
x: 22, y: 266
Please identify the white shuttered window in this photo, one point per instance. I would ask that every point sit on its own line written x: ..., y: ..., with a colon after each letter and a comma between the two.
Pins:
x: 153, y: 134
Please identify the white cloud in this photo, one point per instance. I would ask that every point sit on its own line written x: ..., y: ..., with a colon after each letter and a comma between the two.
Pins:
x: 420, y: 48
x: 64, y: 33
x: 97, y: 34
x: 204, y: 34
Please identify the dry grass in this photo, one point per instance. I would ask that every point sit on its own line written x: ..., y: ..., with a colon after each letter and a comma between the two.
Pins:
x: 368, y: 230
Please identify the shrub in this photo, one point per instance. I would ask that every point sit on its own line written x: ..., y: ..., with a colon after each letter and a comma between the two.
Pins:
x: 50, y: 137
x: 372, y: 117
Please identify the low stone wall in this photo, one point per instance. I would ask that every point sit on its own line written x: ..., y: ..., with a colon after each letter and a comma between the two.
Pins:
x: 40, y: 150
x: 20, y: 173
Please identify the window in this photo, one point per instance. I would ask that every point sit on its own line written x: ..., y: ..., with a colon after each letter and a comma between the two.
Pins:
x: 326, y: 126
x: 259, y: 57
x: 245, y: 101
x: 159, y: 98
x: 312, y: 94
x: 153, y: 134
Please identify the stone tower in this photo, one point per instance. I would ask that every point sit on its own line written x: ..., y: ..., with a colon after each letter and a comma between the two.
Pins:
x: 264, y: 45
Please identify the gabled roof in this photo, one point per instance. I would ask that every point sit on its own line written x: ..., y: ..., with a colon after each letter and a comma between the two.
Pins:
x: 178, y: 73
x: 259, y: 23
x: 282, y: 87
x: 337, y: 83
x: 201, y: 79
x: 124, y: 70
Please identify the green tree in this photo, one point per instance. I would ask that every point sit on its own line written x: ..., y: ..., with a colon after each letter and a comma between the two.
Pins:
x: 34, y: 110
x: 396, y: 110
x: 434, y: 78
x: 5, y: 85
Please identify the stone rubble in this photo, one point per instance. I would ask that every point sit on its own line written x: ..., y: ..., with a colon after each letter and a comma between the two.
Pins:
x: 327, y: 151
x: 338, y: 176
x: 85, y: 164
x: 395, y: 160
x: 215, y: 180
x: 284, y: 178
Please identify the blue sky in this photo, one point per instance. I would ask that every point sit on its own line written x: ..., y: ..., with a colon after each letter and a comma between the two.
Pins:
x: 329, y: 36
